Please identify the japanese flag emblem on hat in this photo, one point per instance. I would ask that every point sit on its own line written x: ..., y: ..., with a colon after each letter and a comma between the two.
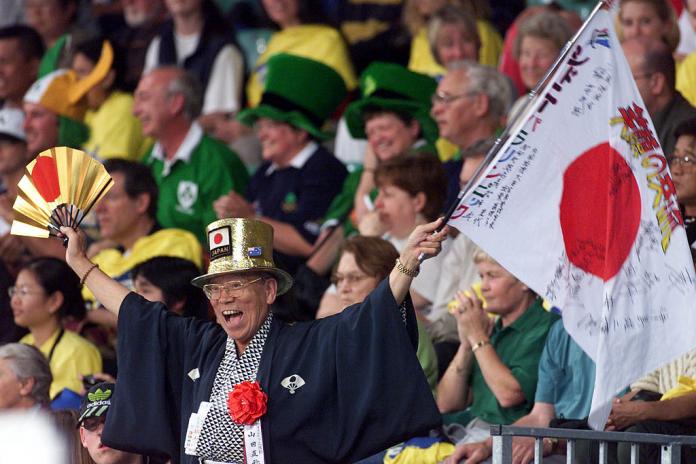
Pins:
x: 219, y: 241
x: 242, y: 245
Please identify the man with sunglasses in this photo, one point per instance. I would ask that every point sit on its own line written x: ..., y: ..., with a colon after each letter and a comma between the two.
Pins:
x: 254, y: 388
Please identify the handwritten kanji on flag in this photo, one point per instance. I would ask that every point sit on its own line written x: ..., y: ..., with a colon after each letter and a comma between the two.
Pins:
x: 579, y: 204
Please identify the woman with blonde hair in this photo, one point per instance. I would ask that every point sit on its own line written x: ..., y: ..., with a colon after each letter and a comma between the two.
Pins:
x: 648, y: 18
x: 453, y: 35
x: 416, y: 14
x: 494, y: 373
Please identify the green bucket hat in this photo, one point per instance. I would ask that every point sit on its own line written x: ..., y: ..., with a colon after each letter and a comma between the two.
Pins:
x: 392, y: 87
x: 300, y: 92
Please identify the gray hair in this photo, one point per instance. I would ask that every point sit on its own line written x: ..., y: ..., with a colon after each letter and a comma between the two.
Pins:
x: 187, y: 85
x: 487, y: 81
x: 27, y: 362
x: 545, y: 25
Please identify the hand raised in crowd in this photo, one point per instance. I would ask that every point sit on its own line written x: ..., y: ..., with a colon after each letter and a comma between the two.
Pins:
x: 470, y: 453
x: 77, y: 246
x: 370, y: 160
x: 423, y: 243
x: 233, y: 205
x: 371, y: 225
x: 625, y: 413
x: 473, y: 323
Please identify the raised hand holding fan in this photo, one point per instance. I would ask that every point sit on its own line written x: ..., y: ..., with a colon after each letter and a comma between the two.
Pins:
x: 58, y: 189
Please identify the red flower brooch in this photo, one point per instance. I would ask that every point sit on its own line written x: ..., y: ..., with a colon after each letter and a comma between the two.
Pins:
x: 246, y: 402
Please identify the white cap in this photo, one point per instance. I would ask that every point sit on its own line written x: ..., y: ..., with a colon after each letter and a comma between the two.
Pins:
x: 12, y: 123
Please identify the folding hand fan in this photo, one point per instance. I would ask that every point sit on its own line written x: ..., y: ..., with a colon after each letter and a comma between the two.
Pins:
x: 58, y: 189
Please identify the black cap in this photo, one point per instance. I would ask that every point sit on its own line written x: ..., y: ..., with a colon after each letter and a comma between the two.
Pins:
x: 96, y: 401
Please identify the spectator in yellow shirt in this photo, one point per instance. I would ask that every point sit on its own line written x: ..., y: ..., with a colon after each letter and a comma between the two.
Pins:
x: 46, y: 294
x: 114, y: 131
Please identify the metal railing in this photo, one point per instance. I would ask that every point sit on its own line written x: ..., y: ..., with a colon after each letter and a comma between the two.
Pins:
x: 671, y: 445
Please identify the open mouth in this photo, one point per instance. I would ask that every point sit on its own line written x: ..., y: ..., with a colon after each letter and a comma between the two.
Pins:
x: 231, y: 315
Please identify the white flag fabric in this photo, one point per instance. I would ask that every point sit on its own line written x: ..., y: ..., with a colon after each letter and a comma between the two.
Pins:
x: 579, y: 204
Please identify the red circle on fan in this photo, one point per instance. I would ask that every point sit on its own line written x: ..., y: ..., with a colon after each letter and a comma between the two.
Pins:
x: 217, y: 238
x: 45, y: 176
x: 599, y: 211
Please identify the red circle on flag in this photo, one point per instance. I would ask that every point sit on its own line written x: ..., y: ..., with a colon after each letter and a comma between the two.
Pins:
x: 599, y: 211
x: 217, y: 238
x: 45, y: 177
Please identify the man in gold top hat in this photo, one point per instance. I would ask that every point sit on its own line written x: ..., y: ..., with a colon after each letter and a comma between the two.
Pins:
x: 255, y: 388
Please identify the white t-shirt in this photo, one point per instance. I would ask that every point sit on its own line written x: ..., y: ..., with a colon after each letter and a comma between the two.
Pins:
x: 225, y: 85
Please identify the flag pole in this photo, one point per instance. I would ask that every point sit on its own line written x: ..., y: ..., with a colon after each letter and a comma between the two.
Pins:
x: 517, y: 117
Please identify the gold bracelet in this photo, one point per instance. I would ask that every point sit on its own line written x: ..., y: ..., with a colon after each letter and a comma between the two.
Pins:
x: 409, y: 272
x: 84, y: 277
x: 479, y: 345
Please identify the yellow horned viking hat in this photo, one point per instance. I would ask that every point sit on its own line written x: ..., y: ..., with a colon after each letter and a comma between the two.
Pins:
x: 61, y: 91
x: 242, y: 245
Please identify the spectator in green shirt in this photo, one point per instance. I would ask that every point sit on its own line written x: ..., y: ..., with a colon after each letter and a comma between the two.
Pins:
x: 494, y: 372
x: 192, y: 170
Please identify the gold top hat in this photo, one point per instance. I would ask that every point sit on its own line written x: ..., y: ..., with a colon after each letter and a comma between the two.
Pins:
x: 242, y: 245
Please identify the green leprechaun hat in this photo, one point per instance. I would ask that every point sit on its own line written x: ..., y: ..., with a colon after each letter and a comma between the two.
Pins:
x: 300, y: 92
x: 392, y: 87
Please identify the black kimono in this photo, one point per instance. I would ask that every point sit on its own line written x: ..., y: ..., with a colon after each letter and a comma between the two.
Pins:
x: 364, y: 389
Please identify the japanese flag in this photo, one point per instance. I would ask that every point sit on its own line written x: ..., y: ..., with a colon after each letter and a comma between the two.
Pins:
x: 579, y: 204
x: 218, y: 238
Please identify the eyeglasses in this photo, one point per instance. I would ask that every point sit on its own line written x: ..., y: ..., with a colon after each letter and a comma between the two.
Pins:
x: 231, y: 288
x: 92, y: 423
x: 351, y: 279
x: 683, y: 160
x: 21, y: 292
x: 446, y: 98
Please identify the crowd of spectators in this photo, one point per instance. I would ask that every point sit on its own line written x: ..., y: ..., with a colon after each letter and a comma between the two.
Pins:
x: 208, y: 109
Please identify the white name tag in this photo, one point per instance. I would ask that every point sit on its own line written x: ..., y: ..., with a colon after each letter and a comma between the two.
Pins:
x: 195, y: 425
x: 253, y: 443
